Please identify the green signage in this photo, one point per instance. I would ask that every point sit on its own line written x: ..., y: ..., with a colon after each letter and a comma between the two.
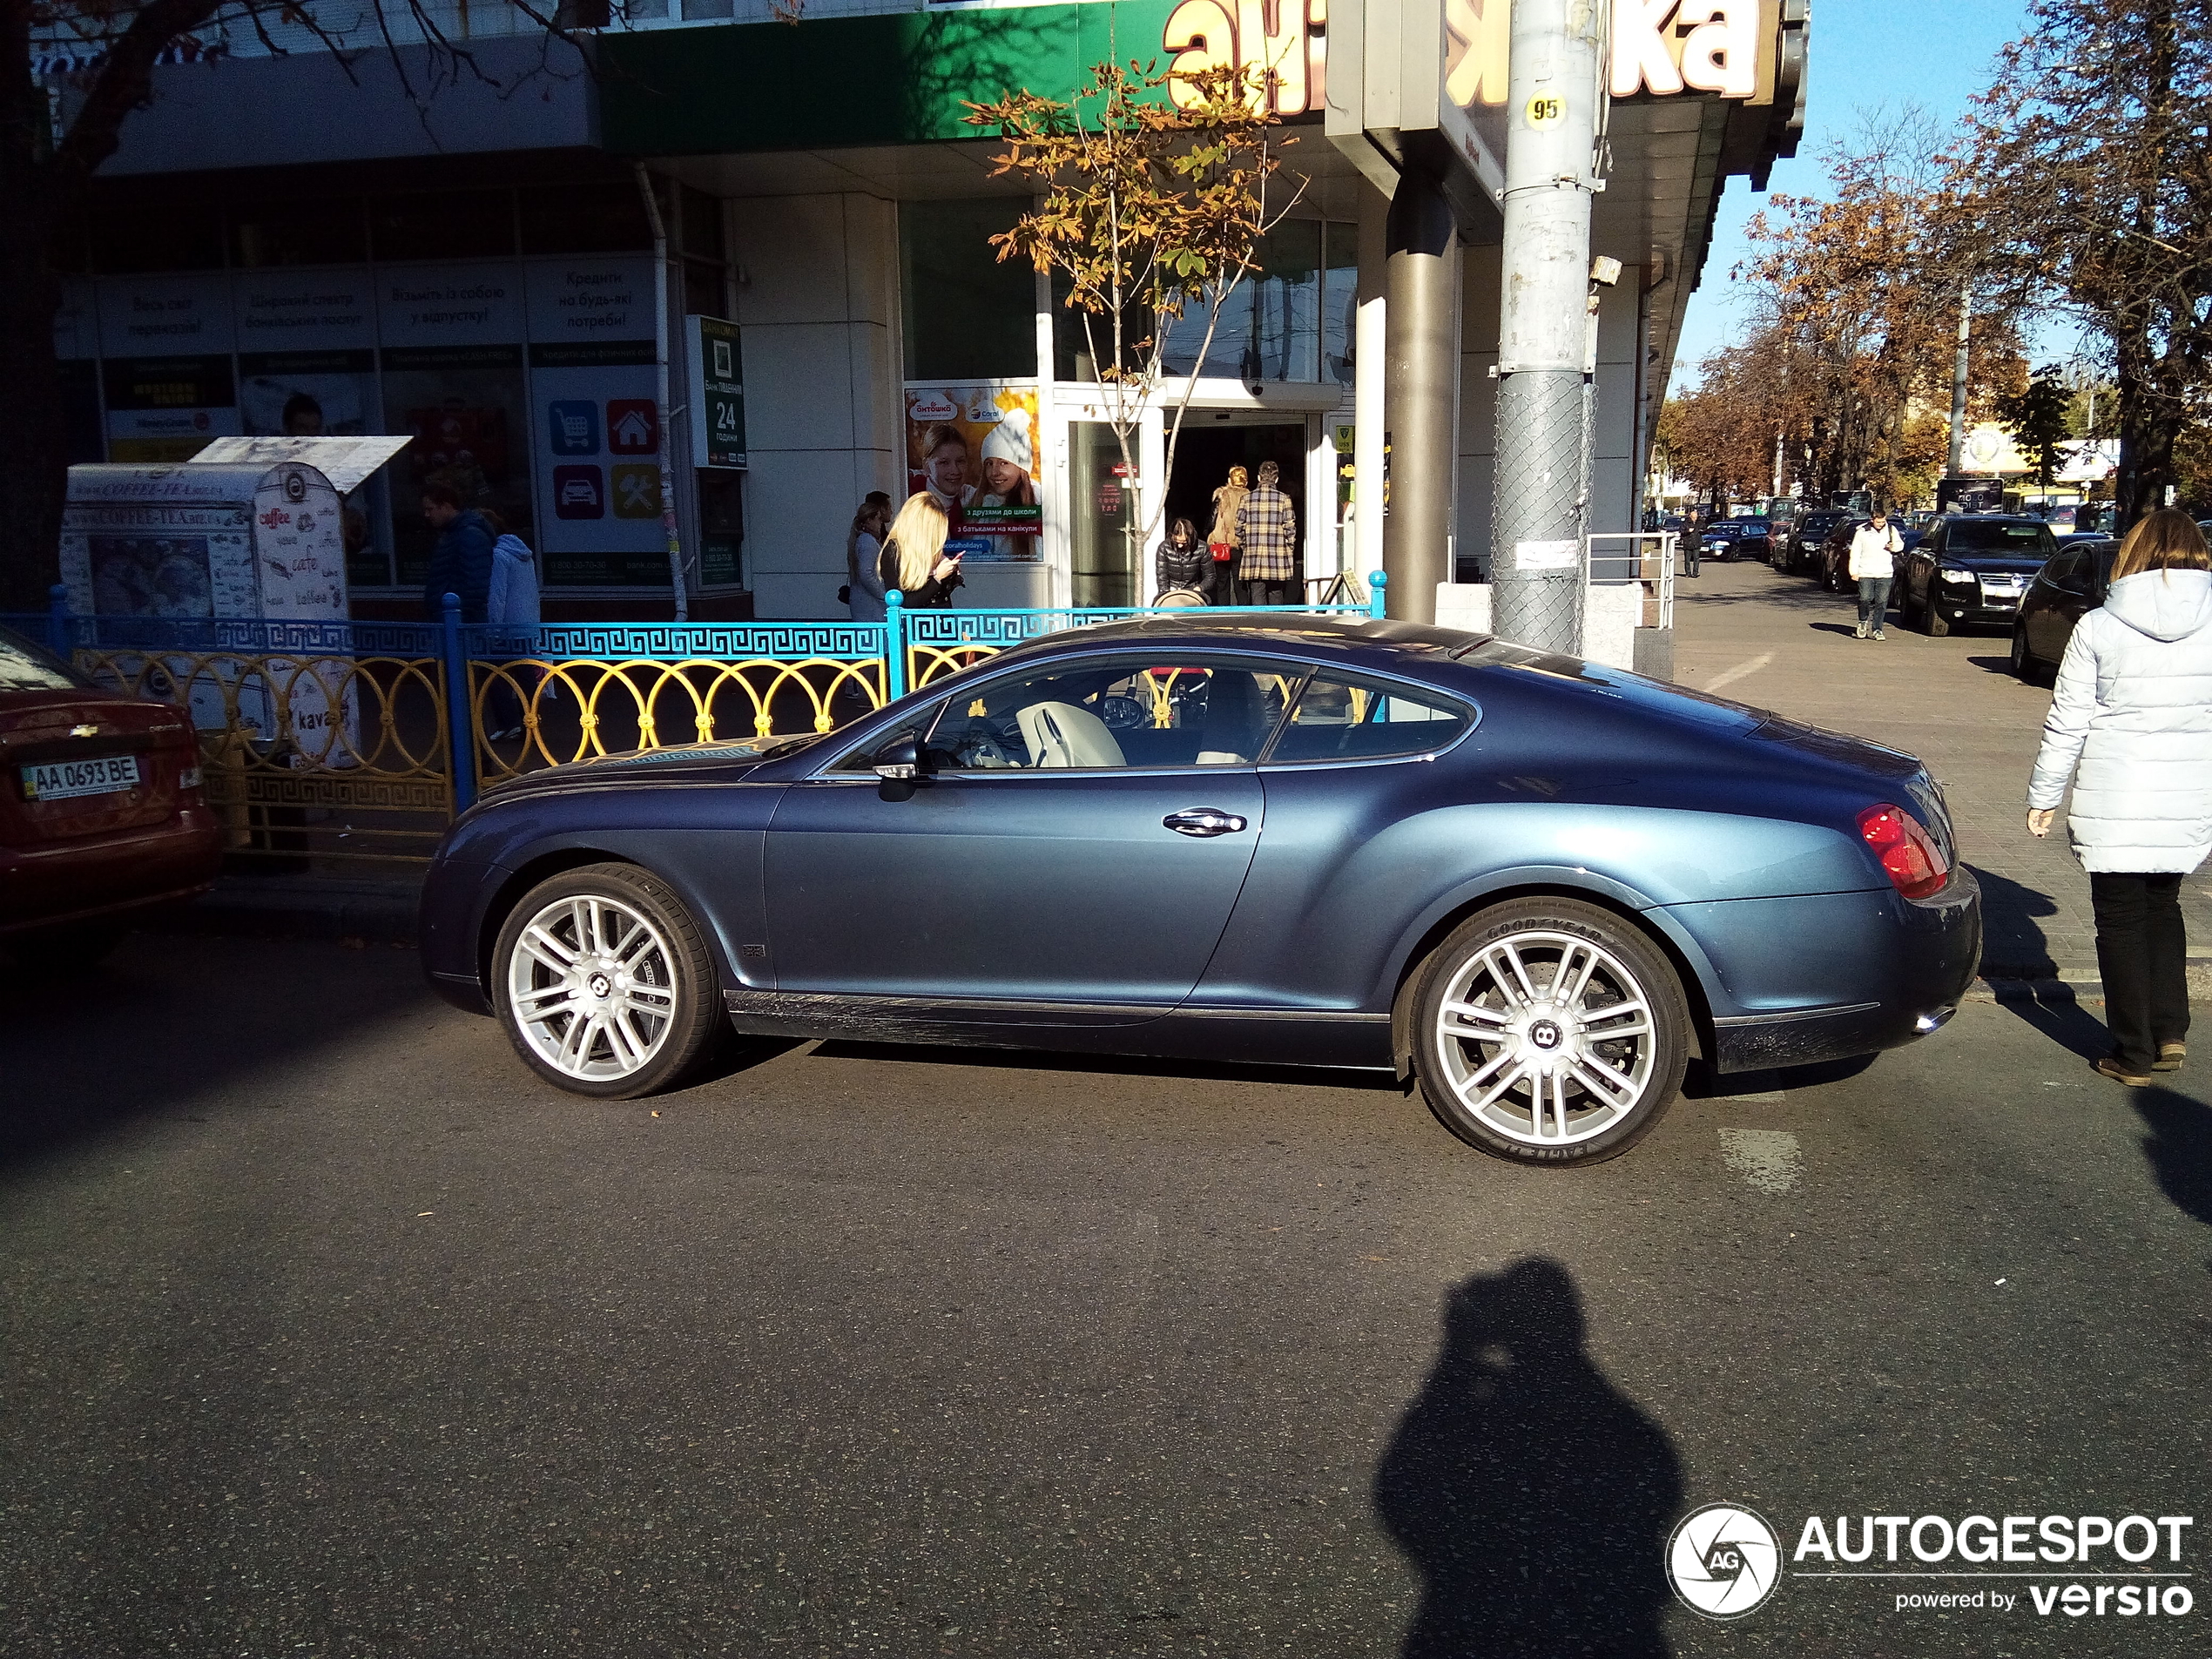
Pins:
x: 718, y: 393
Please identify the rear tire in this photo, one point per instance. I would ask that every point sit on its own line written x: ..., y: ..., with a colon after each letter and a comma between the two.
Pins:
x: 1548, y: 1031
x: 605, y: 985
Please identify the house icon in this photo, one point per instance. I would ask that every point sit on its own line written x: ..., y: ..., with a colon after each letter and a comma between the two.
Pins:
x: 633, y: 427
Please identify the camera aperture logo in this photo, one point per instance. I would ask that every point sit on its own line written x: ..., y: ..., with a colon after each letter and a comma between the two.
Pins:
x: 1724, y: 1560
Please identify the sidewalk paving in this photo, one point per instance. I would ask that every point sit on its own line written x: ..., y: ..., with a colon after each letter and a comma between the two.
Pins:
x: 1781, y: 643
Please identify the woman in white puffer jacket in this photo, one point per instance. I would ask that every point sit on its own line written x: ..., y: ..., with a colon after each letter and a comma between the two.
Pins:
x: 2131, y: 728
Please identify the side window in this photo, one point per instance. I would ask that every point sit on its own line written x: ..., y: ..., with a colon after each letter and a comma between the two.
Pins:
x: 863, y: 758
x: 1347, y: 719
x: 1119, y: 713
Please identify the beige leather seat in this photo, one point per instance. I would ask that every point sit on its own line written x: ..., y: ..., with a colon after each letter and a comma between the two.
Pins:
x: 1059, y: 734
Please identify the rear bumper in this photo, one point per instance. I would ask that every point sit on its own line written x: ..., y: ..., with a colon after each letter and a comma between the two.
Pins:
x: 68, y: 881
x: 1834, y: 975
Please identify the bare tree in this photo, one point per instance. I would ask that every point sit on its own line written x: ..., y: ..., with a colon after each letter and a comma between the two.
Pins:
x: 2088, y: 183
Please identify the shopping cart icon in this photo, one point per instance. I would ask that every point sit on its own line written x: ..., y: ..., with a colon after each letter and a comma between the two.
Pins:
x: 575, y: 426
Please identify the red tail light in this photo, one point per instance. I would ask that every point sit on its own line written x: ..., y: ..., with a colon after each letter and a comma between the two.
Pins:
x: 1914, y: 863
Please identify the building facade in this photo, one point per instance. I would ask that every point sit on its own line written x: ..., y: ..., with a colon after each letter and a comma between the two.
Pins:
x: 281, y: 246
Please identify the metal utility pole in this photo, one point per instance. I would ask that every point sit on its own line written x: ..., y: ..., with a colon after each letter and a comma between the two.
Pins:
x: 1959, y: 382
x: 662, y: 348
x: 1539, y: 514
x: 1420, y: 327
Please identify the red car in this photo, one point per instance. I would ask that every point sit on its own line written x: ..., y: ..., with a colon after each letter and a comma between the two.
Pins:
x: 101, y: 813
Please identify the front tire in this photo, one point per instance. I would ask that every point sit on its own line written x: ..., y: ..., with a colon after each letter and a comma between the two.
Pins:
x: 1550, y: 1031
x: 605, y: 983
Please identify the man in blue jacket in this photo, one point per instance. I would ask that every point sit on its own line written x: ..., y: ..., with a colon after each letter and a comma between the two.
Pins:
x: 461, y: 561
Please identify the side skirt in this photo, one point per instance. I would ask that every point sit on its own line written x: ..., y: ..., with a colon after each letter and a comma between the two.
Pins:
x: 1252, y: 1037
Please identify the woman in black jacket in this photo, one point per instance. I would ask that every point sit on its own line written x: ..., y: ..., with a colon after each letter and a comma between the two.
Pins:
x: 1182, y: 562
x: 914, y: 561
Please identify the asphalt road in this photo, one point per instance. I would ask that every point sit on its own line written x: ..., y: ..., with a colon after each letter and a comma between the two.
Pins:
x: 325, y: 1330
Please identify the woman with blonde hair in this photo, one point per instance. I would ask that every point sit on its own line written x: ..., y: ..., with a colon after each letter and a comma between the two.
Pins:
x: 1220, y: 586
x: 2130, y: 728
x: 914, y: 559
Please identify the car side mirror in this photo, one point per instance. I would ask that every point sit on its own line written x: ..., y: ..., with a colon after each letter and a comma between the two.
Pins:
x: 900, y: 765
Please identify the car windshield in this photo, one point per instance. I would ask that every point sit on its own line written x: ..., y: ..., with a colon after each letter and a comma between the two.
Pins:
x: 2000, y: 535
x: 25, y: 667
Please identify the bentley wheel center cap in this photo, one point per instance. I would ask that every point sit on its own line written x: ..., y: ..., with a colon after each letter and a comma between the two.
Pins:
x: 601, y: 986
x: 1544, y: 1034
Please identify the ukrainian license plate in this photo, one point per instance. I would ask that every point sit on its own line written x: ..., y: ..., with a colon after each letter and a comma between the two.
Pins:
x: 67, y: 779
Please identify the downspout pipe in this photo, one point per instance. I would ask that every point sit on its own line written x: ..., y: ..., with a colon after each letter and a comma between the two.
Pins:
x: 660, y: 393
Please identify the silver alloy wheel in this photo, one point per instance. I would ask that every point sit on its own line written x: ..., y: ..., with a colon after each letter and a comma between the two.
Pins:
x: 1546, y: 1038
x: 591, y: 988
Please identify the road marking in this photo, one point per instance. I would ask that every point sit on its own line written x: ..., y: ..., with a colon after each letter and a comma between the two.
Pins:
x: 1740, y: 670
x: 1765, y: 1098
x: 1767, y: 1158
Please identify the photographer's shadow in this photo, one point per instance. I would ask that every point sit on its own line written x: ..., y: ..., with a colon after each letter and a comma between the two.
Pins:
x: 1534, y: 1498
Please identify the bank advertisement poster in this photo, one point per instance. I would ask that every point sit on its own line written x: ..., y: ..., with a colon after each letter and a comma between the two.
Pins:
x: 974, y: 445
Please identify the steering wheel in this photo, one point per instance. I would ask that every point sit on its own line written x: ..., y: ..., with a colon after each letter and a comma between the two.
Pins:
x: 1122, y: 713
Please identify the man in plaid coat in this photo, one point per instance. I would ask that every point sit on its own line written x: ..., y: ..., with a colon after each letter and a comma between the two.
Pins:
x: 1267, y: 527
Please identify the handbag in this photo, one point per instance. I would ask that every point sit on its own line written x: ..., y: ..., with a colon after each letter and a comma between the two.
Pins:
x: 1222, y: 551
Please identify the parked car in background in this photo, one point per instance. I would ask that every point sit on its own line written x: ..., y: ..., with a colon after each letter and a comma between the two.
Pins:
x: 2070, y: 585
x: 1532, y: 884
x: 1799, y: 552
x: 101, y: 813
x: 1734, y: 538
x: 1971, y: 571
x: 1832, y: 568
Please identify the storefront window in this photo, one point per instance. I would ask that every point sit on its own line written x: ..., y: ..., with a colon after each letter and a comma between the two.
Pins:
x: 1100, y: 507
x: 604, y: 218
x: 443, y: 225
x: 1269, y: 326
x: 304, y: 230
x: 968, y: 316
x: 463, y: 406
x: 1339, y: 298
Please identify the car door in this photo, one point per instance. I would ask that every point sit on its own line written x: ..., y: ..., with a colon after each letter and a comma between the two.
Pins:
x: 1078, y: 840
x: 2055, y: 603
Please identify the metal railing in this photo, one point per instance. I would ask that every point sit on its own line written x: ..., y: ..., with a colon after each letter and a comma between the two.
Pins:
x: 1645, y: 555
x: 339, y: 738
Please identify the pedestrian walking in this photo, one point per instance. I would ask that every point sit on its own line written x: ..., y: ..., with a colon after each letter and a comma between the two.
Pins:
x: 461, y: 562
x: 863, y: 592
x: 512, y: 606
x: 914, y: 560
x: 1874, y: 548
x: 2130, y: 729
x: 1220, y: 586
x: 1267, y: 536
x: 1181, y: 564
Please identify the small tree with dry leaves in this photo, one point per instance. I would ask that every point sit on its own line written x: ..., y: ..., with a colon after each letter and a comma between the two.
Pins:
x: 1149, y: 208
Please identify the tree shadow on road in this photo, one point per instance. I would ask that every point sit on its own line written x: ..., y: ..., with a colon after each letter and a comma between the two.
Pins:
x: 1531, y: 1495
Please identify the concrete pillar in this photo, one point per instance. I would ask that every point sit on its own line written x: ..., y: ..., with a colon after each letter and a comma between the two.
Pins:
x: 1371, y: 357
x: 1422, y: 410
x: 1538, y: 521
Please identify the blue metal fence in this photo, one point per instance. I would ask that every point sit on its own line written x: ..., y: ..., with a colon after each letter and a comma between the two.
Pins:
x: 912, y: 647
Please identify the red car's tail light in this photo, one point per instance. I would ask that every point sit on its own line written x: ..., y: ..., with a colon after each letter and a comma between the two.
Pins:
x: 1914, y: 863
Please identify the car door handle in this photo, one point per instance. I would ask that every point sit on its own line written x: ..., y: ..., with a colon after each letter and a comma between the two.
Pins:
x: 1204, y: 821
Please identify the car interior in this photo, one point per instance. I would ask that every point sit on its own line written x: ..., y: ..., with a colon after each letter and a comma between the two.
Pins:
x: 1105, y: 716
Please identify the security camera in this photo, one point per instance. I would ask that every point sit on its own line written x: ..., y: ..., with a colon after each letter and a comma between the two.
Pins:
x: 1605, y: 271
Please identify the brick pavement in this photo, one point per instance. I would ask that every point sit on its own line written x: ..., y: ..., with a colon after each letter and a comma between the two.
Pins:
x: 1783, y: 643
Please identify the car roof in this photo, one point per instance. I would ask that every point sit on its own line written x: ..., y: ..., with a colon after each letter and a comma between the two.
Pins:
x: 1382, y: 644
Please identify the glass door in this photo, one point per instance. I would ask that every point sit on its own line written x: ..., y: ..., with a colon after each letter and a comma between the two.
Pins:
x: 1102, y: 514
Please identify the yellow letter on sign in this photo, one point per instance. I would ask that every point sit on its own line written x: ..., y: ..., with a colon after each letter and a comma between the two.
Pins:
x: 1722, y: 54
x: 1270, y: 35
x: 1640, y: 60
x: 1202, y: 37
x: 1477, y: 50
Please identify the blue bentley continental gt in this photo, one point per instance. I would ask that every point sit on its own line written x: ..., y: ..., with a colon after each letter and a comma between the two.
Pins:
x: 1536, y: 887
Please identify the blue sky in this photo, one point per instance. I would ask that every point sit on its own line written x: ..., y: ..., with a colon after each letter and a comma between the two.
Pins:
x: 1866, y: 55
